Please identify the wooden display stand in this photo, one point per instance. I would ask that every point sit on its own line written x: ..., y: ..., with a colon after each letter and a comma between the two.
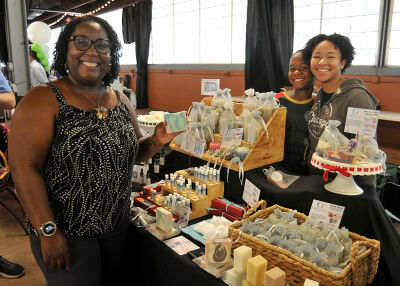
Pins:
x: 199, y: 203
x: 266, y: 150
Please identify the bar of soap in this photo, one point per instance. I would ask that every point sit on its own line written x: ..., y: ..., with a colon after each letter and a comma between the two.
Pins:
x: 176, y: 121
x: 241, y: 255
x: 309, y: 282
x: 218, y: 251
x: 234, y: 278
x: 256, y: 267
x: 275, y: 277
x: 246, y: 283
x: 164, y: 219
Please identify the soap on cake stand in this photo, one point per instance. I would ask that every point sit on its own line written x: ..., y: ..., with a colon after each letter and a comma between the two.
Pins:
x: 344, y: 183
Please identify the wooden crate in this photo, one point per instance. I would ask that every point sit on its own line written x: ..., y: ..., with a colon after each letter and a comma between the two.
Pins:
x: 266, y: 150
x: 199, y: 203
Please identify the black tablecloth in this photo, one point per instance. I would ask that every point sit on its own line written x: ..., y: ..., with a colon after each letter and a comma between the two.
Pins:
x: 364, y: 215
x: 159, y: 265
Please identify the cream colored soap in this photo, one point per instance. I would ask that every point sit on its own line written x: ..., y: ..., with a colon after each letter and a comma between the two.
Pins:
x: 309, y: 282
x: 246, y: 283
x: 256, y: 267
x: 275, y: 277
x: 233, y: 278
x: 240, y: 257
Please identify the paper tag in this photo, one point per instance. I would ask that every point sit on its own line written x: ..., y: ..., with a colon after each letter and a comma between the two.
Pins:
x: 193, y: 145
x: 326, y: 213
x: 361, y: 121
x: 181, y: 245
x: 251, y: 193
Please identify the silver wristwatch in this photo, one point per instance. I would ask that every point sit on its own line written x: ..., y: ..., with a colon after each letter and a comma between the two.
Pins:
x: 47, y: 229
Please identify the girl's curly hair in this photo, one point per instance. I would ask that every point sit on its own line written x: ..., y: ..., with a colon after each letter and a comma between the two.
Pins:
x: 60, y: 52
x: 342, y: 43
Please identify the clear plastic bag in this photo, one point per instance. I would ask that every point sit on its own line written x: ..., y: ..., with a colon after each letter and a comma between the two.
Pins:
x: 279, y: 178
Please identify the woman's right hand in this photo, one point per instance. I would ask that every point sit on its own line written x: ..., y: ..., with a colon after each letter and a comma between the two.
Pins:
x: 55, y: 251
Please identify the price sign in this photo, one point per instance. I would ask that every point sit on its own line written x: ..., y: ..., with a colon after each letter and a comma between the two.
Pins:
x: 361, y: 121
x: 326, y: 213
x: 251, y: 193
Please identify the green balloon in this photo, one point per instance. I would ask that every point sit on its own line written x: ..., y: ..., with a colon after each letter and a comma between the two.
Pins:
x: 44, y: 62
x: 36, y: 47
x: 40, y: 55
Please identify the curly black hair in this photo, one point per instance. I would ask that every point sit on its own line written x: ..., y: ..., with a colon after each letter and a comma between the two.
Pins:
x: 60, y: 52
x: 341, y: 42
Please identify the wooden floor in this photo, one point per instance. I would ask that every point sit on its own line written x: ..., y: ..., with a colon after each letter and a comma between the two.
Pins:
x: 15, y: 246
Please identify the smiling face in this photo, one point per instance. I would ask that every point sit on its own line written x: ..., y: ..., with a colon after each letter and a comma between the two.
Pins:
x: 326, y: 63
x: 300, y: 76
x: 87, y: 67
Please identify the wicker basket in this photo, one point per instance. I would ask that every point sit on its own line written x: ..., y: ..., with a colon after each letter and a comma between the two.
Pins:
x: 5, y: 171
x: 360, y: 271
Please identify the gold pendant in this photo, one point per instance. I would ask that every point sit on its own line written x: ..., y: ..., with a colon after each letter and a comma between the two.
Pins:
x: 101, y: 112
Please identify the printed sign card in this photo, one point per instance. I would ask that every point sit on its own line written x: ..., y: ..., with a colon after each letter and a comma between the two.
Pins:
x: 251, y: 193
x: 326, y: 213
x: 361, y: 121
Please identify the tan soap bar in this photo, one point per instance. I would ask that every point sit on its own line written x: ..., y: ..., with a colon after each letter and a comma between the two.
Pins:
x: 246, y: 283
x: 234, y: 278
x: 240, y: 257
x: 275, y: 277
x: 256, y: 267
x: 309, y: 282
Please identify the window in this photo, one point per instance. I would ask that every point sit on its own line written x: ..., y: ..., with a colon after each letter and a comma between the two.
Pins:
x: 114, y: 18
x: 198, y: 32
x: 356, y: 19
x: 394, y: 44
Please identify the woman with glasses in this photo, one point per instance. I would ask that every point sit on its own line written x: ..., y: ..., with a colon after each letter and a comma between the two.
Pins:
x: 73, y: 145
x: 298, y: 102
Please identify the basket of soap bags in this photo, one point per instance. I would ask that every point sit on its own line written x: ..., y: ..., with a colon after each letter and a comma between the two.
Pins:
x: 303, y: 250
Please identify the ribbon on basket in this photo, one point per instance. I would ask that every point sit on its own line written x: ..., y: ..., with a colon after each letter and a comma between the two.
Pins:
x: 329, y: 168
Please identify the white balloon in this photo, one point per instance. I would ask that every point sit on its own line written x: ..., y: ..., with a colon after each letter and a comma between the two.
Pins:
x: 45, y: 48
x: 39, y: 33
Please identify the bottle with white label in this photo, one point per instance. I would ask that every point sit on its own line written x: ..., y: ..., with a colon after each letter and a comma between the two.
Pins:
x: 156, y: 166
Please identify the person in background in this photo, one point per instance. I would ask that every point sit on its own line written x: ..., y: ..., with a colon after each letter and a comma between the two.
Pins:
x: 329, y: 56
x: 38, y: 73
x: 298, y: 102
x: 72, y: 149
x: 7, y: 101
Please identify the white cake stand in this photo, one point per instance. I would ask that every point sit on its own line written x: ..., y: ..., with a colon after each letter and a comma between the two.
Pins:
x: 344, y: 183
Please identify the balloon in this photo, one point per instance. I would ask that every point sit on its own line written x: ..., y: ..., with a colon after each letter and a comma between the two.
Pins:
x: 44, y: 62
x: 36, y: 48
x: 45, y: 48
x: 39, y: 33
x: 47, y: 68
x: 40, y: 55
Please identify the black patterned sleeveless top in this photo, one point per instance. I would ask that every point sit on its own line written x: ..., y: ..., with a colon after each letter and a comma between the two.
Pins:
x: 88, y: 169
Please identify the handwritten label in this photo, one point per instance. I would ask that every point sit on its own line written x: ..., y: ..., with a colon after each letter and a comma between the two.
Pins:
x: 251, y: 193
x: 326, y: 213
x: 361, y: 121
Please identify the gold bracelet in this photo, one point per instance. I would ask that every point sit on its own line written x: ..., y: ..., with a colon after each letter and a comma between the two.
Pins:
x: 152, y: 142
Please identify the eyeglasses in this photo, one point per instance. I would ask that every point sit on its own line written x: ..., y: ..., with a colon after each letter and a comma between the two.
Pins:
x: 83, y: 43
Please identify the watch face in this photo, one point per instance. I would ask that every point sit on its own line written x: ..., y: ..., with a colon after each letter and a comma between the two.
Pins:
x: 49, y: 228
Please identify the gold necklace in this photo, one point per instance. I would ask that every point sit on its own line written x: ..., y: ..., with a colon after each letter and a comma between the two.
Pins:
x: 101, y: 111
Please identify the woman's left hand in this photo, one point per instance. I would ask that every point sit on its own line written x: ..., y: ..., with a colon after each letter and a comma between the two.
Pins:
x: 161, y: 136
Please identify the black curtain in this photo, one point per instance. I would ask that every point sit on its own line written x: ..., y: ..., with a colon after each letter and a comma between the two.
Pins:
x: 136, y: 27
x: 3, y: 38
x: 269, y: 43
